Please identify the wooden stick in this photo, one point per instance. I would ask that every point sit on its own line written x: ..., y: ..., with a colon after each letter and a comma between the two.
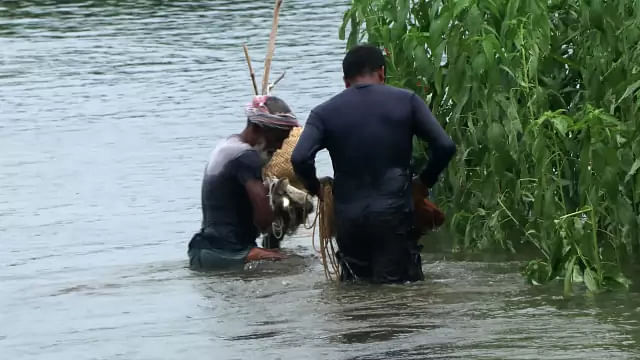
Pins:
x: 253, y: 76
x: 271, y: 48
x: 278, y: 79
x: 271, y: 86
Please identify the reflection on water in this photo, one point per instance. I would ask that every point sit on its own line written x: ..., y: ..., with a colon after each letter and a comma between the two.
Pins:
x: 108, y: 110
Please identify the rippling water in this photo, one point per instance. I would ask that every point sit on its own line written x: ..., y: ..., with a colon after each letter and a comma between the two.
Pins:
x: 108, y: 110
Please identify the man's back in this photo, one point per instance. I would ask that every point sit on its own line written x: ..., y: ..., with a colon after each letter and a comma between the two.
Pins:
x: 226, y: 208
x: 368, y: 131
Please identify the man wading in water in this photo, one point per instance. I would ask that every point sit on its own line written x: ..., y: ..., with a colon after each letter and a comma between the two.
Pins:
x: 368, y: 130
x: 235, y: 202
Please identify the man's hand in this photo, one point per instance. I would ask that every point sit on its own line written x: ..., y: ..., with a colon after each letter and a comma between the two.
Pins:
x: 323, y: 182
x: 257, y: 254
x: 419, y: 189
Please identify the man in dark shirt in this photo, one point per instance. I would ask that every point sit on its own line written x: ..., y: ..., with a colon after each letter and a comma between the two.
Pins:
x: 368, y: 130
x: 235, y: 203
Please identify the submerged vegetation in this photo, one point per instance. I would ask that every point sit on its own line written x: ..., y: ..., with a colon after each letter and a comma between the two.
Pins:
x: 543, y: 100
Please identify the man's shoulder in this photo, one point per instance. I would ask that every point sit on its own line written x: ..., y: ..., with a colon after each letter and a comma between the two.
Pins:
x: 231, y: 150
x: 335, y: 102
x: 397, y: 90
x: 341, y: 99
x: 232, y: 147
x: 242, y: 152
x: 233, y: 142
x: 328, y: 104
x: 249, y: 156
x: 344, y: 95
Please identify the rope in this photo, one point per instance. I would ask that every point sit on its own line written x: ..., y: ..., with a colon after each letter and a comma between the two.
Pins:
x: 277, y: 228
x: 325, y: 221
x: 305, y: 215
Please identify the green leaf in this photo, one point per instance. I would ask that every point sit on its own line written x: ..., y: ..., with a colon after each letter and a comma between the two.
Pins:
x: 478, y: 64
x: 467, y: 233
x: 568, y: 276
x: 436, y: 30
x: 625, y: 211
x: 493, y: 7
x: 343, y: 26
x: 386, y: 36
x: 512, y: 8
x: 353, y: 34
x: 622, y: 280
x: 403, y: 10
x: 438, y: 77
x: 459, y: 6
x: 590, y: 280
x: 634, y: 169
x: 496, y: 135
x: 398, y: 30
x: 610, y: 182
x: 515, y: 78
x: 420, y: 58
x: 578, y: 276
x: 474, y: 19
x: 561, y: 123
x: 490, y: 45
x: 538, y: 272
x: 540, y: 150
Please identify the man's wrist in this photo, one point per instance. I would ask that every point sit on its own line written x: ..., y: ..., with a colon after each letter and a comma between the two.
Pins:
x: 314, y: 187
x: 418, y: 187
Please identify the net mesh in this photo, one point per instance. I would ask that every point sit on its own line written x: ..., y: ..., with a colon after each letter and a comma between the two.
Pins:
x: 280, y: 165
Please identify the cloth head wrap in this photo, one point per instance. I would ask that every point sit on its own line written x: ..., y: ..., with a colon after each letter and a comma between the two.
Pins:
x: 258, y: 113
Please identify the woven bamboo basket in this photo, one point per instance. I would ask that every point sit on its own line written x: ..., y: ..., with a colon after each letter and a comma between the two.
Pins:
x: 280, y: 165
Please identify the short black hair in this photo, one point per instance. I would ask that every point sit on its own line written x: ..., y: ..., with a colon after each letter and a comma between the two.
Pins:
x: 362, y: 60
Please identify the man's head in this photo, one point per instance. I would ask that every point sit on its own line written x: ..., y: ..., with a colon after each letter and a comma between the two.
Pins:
x: 269, y: 121
x: 363, y: 64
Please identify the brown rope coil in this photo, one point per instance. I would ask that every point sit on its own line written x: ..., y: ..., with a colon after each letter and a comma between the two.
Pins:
x: 326, y: 234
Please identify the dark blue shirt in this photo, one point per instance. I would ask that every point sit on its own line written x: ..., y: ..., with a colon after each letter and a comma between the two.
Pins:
x: 227, y: 213
x: 368, y: 130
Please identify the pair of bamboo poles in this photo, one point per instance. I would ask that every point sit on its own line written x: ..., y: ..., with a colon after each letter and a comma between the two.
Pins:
x: 324, y: 213
x: 266, y: 87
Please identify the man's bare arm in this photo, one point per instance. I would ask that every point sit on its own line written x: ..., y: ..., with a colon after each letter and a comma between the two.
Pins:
x: 259, y: 197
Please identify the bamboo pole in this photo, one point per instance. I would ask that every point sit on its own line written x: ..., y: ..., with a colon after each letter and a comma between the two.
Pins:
x: 271, y: 48
x: 253, y: 76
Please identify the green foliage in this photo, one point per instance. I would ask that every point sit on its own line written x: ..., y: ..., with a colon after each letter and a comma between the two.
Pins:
x: 543, y: 100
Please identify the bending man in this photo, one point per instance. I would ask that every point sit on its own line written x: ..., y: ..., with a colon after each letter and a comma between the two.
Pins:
x: 235, y: 203
x: 368, y: 130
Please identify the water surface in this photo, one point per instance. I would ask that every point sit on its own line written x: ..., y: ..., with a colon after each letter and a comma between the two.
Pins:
x: 108, y: 110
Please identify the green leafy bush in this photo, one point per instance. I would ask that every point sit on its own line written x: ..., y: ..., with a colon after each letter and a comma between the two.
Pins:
x: 542, y: 99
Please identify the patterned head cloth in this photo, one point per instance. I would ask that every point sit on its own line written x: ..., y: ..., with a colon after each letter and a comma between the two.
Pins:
x: 258, y: 113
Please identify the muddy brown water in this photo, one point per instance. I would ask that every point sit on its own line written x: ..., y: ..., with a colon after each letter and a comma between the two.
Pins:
x: 108, y: 110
